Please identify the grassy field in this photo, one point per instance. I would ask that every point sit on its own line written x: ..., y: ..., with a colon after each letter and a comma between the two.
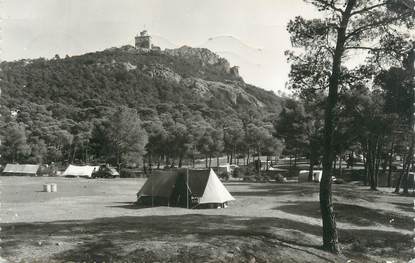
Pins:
x: 96, y: 220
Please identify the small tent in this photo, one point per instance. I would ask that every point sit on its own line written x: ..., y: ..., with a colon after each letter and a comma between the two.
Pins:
x: 80, y: 171
x: 21, y: 169
x: 303, y: 176
x: 317, y: 175
x: 114, y: 171
x: 184, y: 188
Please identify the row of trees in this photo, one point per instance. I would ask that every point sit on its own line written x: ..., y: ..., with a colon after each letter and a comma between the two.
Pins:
x: 124, y: 137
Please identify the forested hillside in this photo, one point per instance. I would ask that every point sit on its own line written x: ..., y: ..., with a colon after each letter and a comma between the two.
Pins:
x: 189, y: 102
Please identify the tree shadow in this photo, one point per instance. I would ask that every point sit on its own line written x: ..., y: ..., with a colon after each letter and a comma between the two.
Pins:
x: 278, y: 190
x: 346, y: 191
x: 129, y: 205
x: 185, y: 238
x: 406, y: 207
x: 112, y: 239
x: 353, y: 214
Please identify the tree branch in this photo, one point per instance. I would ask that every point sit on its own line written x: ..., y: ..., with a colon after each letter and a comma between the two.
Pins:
x: 366, y: 9
x: 330, y: 5
x: 375, y: 24
x: 363, y: 48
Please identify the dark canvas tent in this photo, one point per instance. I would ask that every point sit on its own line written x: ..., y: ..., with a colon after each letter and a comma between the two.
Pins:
x: 184, y: 188
x: 21, y: 169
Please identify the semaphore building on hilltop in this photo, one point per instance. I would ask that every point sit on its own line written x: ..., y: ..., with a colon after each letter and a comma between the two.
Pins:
x: 143, y: 42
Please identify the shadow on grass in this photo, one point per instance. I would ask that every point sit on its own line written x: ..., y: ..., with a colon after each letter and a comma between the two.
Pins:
x: 161, y: 238
x: 407, y: 207
x: 129, y: 205
x: 348, y: 191
x: 274, y: 189
x: 353, y: 214
x: 138, y: 238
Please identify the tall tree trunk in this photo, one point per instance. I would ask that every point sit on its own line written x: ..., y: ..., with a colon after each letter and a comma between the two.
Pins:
x: 267, y: 162
x: 73, y: 155
x: 330, y: 236
x: 378, y: 159
x: 180, y: 160
x: 406, y: 172
x: 366, y: 177
x: 390, y: 165
x: 210, y: 161
x: 295, y: 159
x: 193, y: 157
x: 371, y: 164
x: 398, y: 182
x: 259, y: 161
x: 206, y: 161
x: 310, y: 171
x: 119, y: 159
x: 234, y: 154
x: 86, y: 155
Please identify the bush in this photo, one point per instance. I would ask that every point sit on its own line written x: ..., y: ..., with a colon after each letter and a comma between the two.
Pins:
x: 280, y: 179
x: 224, y: 176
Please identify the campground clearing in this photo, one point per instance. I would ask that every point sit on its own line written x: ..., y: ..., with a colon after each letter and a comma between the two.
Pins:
x: 91, y: 220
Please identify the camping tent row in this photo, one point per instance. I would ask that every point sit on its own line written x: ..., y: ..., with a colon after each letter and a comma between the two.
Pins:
x: 21, y: 169
x: 71, y: 170
x: 184, y: 188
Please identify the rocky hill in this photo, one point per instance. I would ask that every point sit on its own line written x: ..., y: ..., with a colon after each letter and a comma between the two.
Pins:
x: 188, y: 76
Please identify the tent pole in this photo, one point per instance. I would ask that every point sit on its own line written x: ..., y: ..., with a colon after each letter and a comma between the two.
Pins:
x: 187, y: 187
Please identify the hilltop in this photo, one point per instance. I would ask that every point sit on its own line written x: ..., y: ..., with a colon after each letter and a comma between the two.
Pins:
x: 194, y: 77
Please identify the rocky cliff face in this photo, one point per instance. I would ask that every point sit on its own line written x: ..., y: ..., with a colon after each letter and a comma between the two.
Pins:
x: 204, y: 57
x: 233, y: 92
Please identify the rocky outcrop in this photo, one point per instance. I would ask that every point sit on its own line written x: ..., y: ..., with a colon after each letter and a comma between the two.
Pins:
x: 162, y: 72
x: 128, y: 66
x: 202, y: 55
x: 231, y: 91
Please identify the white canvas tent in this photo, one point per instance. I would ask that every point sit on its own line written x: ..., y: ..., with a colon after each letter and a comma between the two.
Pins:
x: 21, y: 169
x: 80, y: 171
x: 215, y: 192
x: 317, y: 175
x: 185, y: 188
x: 303, y: 176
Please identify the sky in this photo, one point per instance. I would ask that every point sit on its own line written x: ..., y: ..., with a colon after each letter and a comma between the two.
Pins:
x: 43, y: 28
